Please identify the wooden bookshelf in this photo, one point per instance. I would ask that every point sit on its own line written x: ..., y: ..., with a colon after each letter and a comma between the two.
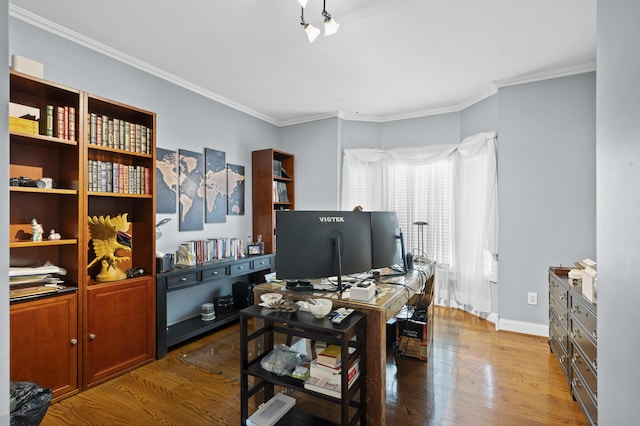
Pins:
x: 273, y: 190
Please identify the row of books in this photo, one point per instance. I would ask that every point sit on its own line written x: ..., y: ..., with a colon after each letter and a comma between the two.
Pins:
x: 325, y: 372
x: 278, y: 170
x: 213, y: 249
x: 57, y: 121
x: 119, y: 134
x: 280, y: 194
x: 106, y: 176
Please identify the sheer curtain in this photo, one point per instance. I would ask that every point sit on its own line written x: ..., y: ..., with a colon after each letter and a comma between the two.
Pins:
x: 451, y: 187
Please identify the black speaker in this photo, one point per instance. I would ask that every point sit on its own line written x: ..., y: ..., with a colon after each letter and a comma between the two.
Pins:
x: 242, y: 294
x: 409, y: 260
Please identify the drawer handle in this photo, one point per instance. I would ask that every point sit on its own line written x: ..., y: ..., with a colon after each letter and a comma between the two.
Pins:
x: 574, y: 309
x: 562, y: 317
x: 594, y: 334
x: 183, y: 279
x: 575, y: 333
x: 74, y: 342
x: 214, y: 273
x: 240, y: 267
x: 575, y: 357
x: 92, y: 336
x: 562, y: 296
x: 595, y: 364
x: 563, y: 358
x: 576, y: 383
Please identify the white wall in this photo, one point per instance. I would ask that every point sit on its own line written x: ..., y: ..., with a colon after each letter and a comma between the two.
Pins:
x: 618, y: 165
x: 4, y: 214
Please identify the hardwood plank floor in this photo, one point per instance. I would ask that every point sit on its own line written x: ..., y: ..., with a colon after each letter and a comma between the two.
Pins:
x: 475, y: 376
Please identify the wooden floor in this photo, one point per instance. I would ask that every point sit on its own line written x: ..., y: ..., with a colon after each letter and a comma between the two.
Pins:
x: 475, y: 376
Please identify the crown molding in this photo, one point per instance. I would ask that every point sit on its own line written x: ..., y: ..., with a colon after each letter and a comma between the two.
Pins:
x: 66, y: 33
x: 492, y: 89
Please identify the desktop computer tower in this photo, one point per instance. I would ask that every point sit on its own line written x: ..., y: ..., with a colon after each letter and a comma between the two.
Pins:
x: 242, y: 294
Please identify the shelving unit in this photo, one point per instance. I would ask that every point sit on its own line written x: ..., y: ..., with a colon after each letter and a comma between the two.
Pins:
x: 350, y: 334
x: 84, y: 344
x: 48, y: 358
x: 269, y: 185
x: 252, y: 267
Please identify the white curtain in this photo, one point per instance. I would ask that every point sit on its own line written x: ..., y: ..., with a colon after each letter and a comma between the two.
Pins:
x: 451, y: 187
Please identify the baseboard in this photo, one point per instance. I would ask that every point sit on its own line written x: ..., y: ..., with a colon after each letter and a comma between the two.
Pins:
x: 523, y: 327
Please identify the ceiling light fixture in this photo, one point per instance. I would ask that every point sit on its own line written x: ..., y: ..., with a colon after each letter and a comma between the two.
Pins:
x: 330, y: 25
x: 312, y: 32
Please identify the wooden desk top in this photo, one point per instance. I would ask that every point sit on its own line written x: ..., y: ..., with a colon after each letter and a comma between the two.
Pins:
x: 392, y: 294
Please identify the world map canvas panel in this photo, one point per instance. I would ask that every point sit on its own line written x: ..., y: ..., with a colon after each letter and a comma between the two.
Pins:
x: 191, y: 185
x: 166, y: 180
x: 215, y: 186
x: 235, y: 190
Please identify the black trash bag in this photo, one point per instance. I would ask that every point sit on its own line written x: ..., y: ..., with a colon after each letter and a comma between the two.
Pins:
x: 32, y: 403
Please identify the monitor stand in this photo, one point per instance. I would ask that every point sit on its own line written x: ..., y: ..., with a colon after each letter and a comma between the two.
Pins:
x: 338, y: 253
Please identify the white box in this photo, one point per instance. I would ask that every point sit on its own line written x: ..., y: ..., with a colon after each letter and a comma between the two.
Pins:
x: 588, y: 277
x: 27, y: 66
x: 271, y: 411
x: 363, y: 291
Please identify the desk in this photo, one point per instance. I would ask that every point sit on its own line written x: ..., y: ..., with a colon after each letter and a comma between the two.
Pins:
x: 393, y: 295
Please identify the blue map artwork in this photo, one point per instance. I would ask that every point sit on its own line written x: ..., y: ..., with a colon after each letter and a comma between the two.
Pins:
x: 215, y: 186
x: 191, y: 178
x: 235, y: 190
x: 166, y: 180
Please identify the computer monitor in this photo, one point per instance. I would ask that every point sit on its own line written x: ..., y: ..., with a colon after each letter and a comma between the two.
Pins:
x: 321, y: 244
x: 387, y: 242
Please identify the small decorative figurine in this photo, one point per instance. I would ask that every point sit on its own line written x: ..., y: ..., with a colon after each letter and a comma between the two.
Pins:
x: 53, y: 235
x: 36, y: 230
x: 108, y: 236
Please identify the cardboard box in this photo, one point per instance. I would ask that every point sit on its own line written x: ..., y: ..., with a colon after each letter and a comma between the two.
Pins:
x: 24, y: 125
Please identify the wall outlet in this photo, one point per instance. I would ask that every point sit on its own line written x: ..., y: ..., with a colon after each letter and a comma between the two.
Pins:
x: 532, y: 298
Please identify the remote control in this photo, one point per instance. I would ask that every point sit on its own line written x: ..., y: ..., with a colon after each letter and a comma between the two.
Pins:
x: 341, y: 314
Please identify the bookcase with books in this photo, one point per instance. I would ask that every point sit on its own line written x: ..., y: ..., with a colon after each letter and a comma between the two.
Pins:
x: 66, y: 328
x: 45, y: 188
x: 119, y: 166
x: 273, y: 189
x: 337, y: 376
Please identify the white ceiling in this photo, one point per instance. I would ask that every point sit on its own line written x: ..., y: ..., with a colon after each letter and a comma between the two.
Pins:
x: 389, y: 60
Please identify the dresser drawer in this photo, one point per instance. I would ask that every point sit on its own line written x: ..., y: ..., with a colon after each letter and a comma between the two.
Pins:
x: 583, y: 365
x: 558, y: 290
x: 260, y: 264
x: 582, y: 395
x: 561, y: 334
x: 188, y: 278
x: 561, y: 312
x: 587, y: 346
x: 240, y: 268
x: 584, y: 316
x: 213, y: 272
x: 560, y: 352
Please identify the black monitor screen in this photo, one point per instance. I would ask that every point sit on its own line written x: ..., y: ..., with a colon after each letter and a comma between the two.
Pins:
x: 305, y: 243
x: 387, y: 244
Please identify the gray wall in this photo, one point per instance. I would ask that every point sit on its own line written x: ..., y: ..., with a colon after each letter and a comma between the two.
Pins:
x: 4, y: 214
x: 546, y: 180
x: 316, y: 146
x: 618, y: 161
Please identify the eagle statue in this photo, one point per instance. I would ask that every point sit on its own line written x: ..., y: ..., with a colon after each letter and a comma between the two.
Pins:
x: 109, y: 234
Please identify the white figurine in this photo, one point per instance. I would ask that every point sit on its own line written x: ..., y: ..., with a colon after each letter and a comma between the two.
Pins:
x: 37, y: 230
x: 53, y: 235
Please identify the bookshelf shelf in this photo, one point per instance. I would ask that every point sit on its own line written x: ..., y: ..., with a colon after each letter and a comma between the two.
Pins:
x: 47, y: 243
x: 55, y: 191
x: 272, y: 191
x: 32, y: 139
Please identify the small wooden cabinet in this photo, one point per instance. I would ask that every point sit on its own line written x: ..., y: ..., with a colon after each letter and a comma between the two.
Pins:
x: 573, y: 339
x: 120, y: 328
x: 273, y: 189
x: 44, y: 343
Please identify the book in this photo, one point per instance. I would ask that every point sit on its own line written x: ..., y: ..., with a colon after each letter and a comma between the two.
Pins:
x: 333, y: 374
x: 48, y: 130
x: 327, y: 387
x: 331, y: 355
